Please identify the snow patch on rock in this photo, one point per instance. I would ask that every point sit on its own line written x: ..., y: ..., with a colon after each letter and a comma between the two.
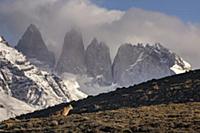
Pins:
x: 179, y: 69
x: 73, y: 86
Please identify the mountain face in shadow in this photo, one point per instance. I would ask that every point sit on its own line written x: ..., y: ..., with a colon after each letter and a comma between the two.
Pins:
x: 72, y: 58
x: 98, y: 62
x: 33, y: 46
x: 132, y: 64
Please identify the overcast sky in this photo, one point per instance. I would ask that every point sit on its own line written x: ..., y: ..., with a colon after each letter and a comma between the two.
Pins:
x: 174, y: 24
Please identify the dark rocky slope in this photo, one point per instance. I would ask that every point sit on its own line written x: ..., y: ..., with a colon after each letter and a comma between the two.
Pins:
x: 175, y: 89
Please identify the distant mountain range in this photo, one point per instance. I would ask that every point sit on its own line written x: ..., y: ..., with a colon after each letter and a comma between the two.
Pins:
x: 30, y: 73
x: 133, y: 64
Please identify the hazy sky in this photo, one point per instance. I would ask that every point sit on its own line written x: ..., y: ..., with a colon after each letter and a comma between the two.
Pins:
x: 173, y: 23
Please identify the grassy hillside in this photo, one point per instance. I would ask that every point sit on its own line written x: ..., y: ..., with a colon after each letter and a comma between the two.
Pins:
x: 157, y: 118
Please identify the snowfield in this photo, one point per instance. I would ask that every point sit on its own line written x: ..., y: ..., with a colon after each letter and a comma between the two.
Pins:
x: 178, y: 69
x: 11, y: 107
x: 87, y: 85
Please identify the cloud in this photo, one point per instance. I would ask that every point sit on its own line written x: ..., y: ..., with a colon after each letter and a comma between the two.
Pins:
x: 138, y: 25
x: 55, y: 17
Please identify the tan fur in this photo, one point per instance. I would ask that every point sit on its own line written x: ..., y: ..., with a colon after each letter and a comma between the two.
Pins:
x: 66, y: 110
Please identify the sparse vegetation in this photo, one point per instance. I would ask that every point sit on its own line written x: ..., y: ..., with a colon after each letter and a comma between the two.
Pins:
x: 166, y: 118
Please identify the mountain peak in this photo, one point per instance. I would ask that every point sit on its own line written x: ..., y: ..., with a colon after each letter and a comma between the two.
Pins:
x: 33, y: 46
x: 74, y: 32
x: 2, y: 39
x: 73, y: 54
x: 98, y: 62
x: 134, y: 64
x: 32, y: 28
x: 94, y: 41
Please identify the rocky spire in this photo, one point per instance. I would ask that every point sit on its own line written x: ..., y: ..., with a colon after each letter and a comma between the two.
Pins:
x: 134, y: 64
x: 32, y: 45
x: 72, y: 58
x: 98, y: 62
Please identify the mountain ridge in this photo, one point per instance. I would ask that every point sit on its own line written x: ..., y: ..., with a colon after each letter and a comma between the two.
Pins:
x: 132, y: 64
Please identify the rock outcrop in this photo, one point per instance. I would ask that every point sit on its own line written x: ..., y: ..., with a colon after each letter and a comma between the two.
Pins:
x: 134, y: 64
x: 32, y: 45
x: 72, y: 58
x: 98, y: 62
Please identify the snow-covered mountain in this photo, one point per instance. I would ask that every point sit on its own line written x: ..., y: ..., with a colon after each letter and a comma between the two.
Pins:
x: 134, y: 64
x: 24, y: 81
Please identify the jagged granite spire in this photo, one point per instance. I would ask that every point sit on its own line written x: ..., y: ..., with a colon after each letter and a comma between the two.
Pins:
x: 32, y: 45
x: 72, y: 58
x: 134, y: 64
x: 98, y: 62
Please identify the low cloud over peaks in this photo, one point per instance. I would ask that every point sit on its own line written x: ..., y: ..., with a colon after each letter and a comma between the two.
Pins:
x: 55, y: 17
